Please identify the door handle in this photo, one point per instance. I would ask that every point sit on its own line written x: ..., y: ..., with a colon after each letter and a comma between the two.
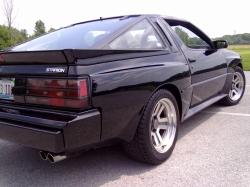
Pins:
x: 191, y: 60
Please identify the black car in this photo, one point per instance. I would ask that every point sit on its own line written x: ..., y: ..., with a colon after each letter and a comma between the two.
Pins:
x: 129, y: 80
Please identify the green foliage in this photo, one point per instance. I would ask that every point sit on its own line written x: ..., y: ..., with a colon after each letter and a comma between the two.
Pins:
x: 39, y: 28
x: 4, y: 37
x: 244, y: 51
x: 236, y: 39
x: 9, y: 37
x: 195, y: 41
x: 51, y: 30
x: 189, y: 41
x: 12, y: 36
x: 182, y: 34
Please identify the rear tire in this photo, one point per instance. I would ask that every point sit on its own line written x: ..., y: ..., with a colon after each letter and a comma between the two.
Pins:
x: 157, y: 131
x: 237, y: 88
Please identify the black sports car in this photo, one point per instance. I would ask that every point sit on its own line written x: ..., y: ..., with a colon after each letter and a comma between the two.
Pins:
x: 129, y: 80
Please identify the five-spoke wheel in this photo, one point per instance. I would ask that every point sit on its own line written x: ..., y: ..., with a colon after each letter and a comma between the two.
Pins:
x: 163, y: 125
x: 157, y: 131
x: 237, y: 88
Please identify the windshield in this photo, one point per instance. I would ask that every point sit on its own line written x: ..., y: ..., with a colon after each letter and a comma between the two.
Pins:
x: 79, y: 36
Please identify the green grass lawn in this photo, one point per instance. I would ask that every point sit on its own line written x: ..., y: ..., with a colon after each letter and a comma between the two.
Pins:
x: 244, y: 51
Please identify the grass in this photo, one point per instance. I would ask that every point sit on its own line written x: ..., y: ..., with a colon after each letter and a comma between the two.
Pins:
x: 244, y: 51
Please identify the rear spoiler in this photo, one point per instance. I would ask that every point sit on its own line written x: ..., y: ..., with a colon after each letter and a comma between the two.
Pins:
x: 67, y: 56
x: 33, y: 57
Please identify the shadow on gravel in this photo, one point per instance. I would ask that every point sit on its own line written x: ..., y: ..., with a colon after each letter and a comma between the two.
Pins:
x: 21, y: 166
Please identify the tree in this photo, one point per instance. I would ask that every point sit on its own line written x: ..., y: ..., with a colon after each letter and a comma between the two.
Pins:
x: 182, y: 34
x: 4, y: 37
x: 51, y: 29
x: 236, y: 39
x: 24, y: 33
x: 39, y: 28
x: 17, y: 36
x: 8, y: 10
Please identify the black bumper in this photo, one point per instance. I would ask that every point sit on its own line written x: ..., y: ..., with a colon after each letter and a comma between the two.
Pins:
x: 48, y: 131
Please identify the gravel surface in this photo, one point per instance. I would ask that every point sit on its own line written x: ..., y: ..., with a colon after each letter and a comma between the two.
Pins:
x: 213, y: 150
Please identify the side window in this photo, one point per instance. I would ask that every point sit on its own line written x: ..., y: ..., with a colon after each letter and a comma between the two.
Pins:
x: 189, y: 38
x: 140, y: 36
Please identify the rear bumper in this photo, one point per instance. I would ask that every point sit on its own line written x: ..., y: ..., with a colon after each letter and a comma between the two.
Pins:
x: 71, y: 133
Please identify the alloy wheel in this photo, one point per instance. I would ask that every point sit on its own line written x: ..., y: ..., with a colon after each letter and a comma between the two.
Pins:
x: 237, y: 87
x: 163, y: 125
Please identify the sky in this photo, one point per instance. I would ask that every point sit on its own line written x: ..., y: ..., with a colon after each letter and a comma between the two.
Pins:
x: 214, y: 17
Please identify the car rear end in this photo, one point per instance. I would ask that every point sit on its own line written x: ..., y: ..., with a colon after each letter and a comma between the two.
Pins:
x: 41, y: 106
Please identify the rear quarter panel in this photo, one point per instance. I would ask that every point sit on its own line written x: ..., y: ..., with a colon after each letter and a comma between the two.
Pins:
x: 121, y: 89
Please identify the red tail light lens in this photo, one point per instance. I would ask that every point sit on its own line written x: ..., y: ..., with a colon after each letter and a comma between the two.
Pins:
x: 1, y: 58
x: 57, y: 92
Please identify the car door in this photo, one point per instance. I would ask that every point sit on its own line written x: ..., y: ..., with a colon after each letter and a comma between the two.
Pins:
x: 207, y: 65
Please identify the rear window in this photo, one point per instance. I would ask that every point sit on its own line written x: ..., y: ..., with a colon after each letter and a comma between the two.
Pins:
x: 80, y: 36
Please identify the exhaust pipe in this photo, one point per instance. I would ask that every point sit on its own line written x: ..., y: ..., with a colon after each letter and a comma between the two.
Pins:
x: 53, y: 158
x: 43, y: 155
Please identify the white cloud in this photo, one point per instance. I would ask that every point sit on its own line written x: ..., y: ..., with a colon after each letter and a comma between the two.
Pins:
x: 215, y: 17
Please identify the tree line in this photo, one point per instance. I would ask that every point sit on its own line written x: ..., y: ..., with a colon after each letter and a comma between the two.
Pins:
x: 236, y: 39
x: 10, y: 36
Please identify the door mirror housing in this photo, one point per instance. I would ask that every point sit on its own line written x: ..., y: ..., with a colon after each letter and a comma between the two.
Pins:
x: 220, y: 44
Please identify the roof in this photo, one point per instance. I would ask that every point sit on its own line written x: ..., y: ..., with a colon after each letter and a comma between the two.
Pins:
x: 134, y: 15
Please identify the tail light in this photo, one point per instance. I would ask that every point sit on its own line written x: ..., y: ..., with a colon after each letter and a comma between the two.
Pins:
x: 71, y: 93
x: 1, y: 58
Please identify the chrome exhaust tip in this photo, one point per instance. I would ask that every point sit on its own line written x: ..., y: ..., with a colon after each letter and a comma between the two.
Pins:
x: 53, y: 158
x: 43, y: 155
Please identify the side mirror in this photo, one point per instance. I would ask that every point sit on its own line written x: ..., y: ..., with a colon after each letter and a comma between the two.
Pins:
x: 219, y: 44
